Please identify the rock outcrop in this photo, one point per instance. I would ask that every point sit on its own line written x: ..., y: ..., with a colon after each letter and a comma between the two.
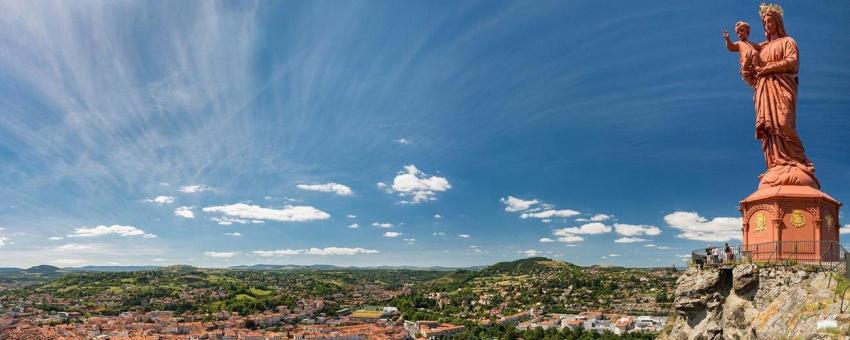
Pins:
x: 752, y: 302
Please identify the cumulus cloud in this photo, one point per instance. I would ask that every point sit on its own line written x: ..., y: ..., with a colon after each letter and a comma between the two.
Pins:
x: 353, y: 226
x: 613, y: 255
x: 513, y: 204
x: 409, y: 240
x: 463, y: 236
x: 190, y: 189
x: 233, y: 234
x: 351, y: 216
x: 184, y: 212
x: 600, y: 218
x: 416, y: 186
x: 439, y: 233
x: 3, y: 241
x: 339, y: 189
x: 392, y: 234
x: 402, y: 141
x: 636, y: 230
x: 585, y: 229
x: 845, y: 230
x: 546, y: 240
x: 569, y: 238
x: 223, y: 255
x: 329, y: 251
x: 161, y: 200
x: 438, y: 216
x: 289, y: 213
x: 382, y: 225
x: 101, y: 230
x: 629, y: 240
x: 56, y: 238
x: 692, y: 226
x: 74, y: 247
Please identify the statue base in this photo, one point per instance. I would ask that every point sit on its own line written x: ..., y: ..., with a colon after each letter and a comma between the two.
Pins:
x: 790, y: 222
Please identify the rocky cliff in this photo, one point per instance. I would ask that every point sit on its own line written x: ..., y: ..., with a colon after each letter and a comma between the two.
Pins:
x: 752, y: 302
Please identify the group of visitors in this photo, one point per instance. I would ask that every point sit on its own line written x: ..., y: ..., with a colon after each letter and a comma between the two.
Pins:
x: 713, y: 255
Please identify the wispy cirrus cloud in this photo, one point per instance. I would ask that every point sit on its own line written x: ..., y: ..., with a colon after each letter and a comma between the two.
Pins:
x: 328, y: 251
x: 102, y: 230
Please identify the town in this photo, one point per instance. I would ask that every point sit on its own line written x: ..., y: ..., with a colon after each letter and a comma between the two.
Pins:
x: 186, y: 302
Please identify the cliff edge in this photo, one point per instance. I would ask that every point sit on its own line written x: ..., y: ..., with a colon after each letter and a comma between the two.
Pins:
x: 753, y: 302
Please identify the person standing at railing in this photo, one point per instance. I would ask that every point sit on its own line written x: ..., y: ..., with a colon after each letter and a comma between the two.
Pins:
x: 715, y: 252
x: 729, y: 255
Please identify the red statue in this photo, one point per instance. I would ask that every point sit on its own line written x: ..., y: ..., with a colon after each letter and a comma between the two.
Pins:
x: 788, y: 216
x: 771, y: 69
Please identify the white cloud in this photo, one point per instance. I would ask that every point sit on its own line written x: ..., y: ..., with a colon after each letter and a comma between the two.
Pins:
x: 586, y: 229
x: 351, y: 216
x: 223, y: 255
x: 530, y: 252
x: 845, y: 230
x: 74, y: 247
x: 329, y: 251
x: 190, y: 189
x: 600, y: 218
x: 159, y: 260
x: 546, y: 220
x: 184, y: 212
x: 233, y: 234
x: 463, y: 236
x: 392, y: 234
x: 550, y: 214
x: 416, y: 186
x: 692, y: 226
x: 613, y: 255
x: 636, y: 230
x: 438, y: 216
x: 409, y: 240
x: 224, y: 220
x: 121, y: 230
x: 439, y: 233
x: 513, y: 204
x: 287, y: 214
x: 339, y: 189
x: 161, y: 200
x: 68, y: 262
x: 56, y: 238
x: 3, y: 241
x: 546, y: 240
x: 353, y: 226
x: 402, y: 141
x: 569, y: 238
x: 383, y: 225
x: 629, y: 240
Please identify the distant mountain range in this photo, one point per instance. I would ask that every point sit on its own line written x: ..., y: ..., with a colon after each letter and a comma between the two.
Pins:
x: 47, y: 269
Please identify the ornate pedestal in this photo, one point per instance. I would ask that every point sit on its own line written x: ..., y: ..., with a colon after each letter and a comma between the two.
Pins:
x: 790, y: 222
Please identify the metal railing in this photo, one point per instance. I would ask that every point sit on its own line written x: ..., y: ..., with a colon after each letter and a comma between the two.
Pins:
x: 828, y: 255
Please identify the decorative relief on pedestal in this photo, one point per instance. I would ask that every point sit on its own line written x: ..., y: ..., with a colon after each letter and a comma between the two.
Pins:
x: 798, y: 219
x: 761, y: 222
x: 828, y: 222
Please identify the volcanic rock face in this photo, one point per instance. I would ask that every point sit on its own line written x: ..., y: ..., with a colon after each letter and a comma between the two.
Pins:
x: 751, y: 302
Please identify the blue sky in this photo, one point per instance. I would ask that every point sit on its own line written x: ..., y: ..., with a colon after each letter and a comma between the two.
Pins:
x: 450, y: 133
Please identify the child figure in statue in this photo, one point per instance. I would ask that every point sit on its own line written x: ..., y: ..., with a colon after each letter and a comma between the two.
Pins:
x: 749, y: 52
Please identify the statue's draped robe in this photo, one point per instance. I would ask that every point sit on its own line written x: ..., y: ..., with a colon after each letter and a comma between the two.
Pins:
x: 776, y: 110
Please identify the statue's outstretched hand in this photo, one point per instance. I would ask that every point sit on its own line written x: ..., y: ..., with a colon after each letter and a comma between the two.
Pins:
x: 725, y: 34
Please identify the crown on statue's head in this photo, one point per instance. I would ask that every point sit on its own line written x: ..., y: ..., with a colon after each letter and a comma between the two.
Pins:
x: 765, y: 8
